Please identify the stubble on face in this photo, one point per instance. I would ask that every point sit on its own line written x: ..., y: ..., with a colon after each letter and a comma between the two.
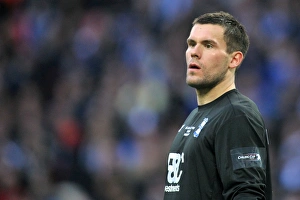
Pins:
x: 207, y: 81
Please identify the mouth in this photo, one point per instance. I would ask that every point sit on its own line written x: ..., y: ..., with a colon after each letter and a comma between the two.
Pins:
x: 194, y: 66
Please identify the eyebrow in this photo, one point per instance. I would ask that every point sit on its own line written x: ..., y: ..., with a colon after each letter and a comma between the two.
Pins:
x: 209, y: 42
x: 189, y: 40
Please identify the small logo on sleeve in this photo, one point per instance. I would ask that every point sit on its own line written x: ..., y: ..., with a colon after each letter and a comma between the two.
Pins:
x: 249, y: 157
x: 246, y: 157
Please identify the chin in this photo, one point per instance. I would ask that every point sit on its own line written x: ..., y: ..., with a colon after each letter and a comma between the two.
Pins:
x: 191, y: 80
x: 200, y: 85
x: 193, y: 84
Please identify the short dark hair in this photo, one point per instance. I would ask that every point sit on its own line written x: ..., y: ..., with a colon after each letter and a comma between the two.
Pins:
x: 235, y: 34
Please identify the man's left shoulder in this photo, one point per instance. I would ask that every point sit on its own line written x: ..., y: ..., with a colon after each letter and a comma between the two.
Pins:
x: 239, y: 104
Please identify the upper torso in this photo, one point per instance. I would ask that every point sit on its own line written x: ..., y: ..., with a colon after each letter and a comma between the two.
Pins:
x: 201, y: 158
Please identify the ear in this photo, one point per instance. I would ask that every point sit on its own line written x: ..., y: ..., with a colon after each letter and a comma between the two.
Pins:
x: 236, y: 59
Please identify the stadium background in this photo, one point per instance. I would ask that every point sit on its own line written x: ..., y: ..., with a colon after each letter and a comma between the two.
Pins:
x: 92, y: 93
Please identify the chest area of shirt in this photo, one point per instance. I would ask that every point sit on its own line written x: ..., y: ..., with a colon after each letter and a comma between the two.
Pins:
x: 194, y: 129
x: 193, y: 133
x: 195, y: 125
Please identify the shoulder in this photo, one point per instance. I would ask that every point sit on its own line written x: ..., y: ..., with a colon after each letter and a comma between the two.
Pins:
x: 240, y: 114
x: 233, y: 106
x: 240, y: 104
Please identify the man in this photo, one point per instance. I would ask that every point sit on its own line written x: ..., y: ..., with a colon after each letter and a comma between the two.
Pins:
x: 221, y: 150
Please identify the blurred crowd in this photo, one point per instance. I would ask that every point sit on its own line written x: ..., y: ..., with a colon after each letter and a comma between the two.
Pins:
x: 92, y: 92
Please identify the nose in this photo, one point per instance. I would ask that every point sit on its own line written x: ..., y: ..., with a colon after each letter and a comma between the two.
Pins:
x: 195, y: 51
x: 195, y: 55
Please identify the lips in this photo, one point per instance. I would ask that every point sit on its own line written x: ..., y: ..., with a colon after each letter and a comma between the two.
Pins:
x: 194, y: 66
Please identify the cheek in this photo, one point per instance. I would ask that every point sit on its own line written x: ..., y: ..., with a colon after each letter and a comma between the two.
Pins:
x: 218, y: 60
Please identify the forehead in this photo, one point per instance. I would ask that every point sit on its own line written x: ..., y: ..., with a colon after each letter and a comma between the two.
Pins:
x: 207, y: 32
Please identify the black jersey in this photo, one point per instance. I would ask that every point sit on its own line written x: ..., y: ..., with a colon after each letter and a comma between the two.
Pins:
x: 220, y: 152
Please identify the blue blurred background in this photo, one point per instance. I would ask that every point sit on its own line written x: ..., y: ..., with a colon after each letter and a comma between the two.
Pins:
x: 92, y: 93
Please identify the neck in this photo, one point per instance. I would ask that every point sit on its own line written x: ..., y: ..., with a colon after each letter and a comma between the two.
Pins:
x: 205, y: 96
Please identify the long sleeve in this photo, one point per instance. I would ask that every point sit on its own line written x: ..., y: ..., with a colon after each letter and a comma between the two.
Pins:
x: 241, y: 158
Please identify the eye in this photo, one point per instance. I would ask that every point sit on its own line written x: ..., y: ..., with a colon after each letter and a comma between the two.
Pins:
x: 208, y: 45
x: 191, y: 43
